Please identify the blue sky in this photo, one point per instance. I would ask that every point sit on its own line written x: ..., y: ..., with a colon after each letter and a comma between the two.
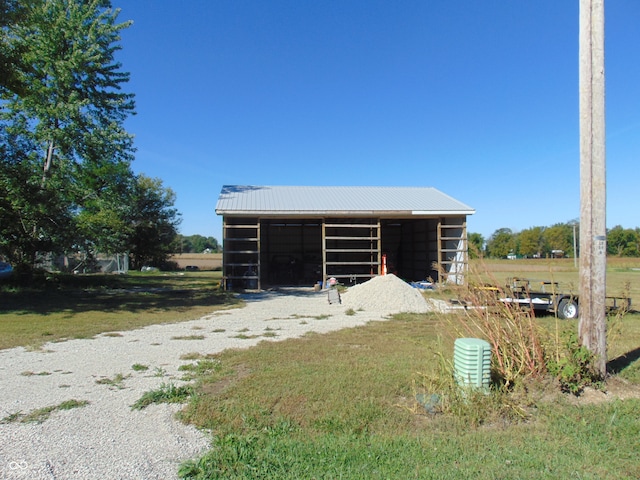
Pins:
x: 476, y: 99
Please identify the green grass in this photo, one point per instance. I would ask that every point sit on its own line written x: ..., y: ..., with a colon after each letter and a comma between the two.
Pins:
x: 564, y: 443
x: 202, y: 367
x: 82, y: 306
x: 343, y: 405
x: 159, y: 372
x: 522, y: 452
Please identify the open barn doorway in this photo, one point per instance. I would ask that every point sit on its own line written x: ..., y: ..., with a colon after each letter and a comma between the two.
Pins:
x: 291, y: 251
x: 410, y: 248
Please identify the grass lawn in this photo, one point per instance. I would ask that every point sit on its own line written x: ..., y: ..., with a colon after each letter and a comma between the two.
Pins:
x: 60, y: 307
x: 344, y: 404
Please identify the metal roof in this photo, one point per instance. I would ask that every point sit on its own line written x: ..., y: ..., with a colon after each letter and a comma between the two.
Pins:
x: 317, y: 200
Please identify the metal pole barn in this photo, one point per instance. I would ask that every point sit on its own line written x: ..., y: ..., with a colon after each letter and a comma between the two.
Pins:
x: 593, y: 249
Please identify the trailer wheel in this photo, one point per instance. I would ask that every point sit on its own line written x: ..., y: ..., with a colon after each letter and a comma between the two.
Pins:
x: 568, y: 309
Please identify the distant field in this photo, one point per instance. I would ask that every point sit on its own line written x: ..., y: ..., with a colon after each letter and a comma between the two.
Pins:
x: 204, y: 261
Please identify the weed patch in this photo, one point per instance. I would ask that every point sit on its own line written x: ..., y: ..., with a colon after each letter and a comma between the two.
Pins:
x: 159, y: 372
x: 191, y: 356
x: 166, y: 393
x: 574, y: 369
x: 39, y: 415
x: 188, y: 337
x: 116, y: 382
x: 200, y: 368
x: 244, y: 336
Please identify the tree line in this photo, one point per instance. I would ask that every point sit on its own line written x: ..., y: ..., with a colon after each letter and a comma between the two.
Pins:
x: 195, y: 244
x: 66, y: 182
x: 558, y: 239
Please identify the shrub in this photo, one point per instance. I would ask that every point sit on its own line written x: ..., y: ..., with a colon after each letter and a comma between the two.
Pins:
x: 166, y: 393
x: 573, y: 368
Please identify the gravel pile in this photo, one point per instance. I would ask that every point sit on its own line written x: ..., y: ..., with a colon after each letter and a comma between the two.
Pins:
x: 106, y: 439
x: 386, y: 293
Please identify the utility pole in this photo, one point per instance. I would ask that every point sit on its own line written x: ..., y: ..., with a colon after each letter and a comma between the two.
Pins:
x: 592, y: 328
x: 575, y: 247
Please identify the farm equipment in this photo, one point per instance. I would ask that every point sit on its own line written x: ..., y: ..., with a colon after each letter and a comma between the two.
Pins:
x: 543, y: 296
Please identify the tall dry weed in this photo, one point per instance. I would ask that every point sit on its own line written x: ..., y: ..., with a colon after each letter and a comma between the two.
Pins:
x: 517, y: 341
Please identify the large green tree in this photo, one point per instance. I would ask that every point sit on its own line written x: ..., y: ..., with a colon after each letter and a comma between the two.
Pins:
x: 476, y: 245
x: 501, y: 243
x: 12, y: 67
x: 530, y: 242
x: 560, y: 237
x: 623, y: 242
x: 65, y: 155
x: 154, y: 221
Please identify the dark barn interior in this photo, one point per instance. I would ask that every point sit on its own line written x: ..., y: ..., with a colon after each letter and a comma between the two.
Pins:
x: 265, y: 252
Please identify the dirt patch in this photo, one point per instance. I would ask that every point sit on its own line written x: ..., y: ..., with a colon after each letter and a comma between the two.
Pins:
x: 216, y: 388
x: 616, y: 389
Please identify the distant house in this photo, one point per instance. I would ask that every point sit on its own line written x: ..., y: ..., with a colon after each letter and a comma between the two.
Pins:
x: 296, y: 235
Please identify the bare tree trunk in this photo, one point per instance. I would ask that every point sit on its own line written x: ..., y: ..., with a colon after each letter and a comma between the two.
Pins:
x: 592, y: 329
x: 47, y: 162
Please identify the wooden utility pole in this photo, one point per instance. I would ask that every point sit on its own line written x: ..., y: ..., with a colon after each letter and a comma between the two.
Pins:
x: 592, y: 329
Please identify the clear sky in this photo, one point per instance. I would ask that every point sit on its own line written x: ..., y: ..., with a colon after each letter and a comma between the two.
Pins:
x: 478, y: 99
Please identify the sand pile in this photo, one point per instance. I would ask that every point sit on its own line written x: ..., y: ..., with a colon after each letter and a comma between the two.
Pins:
x: 385, y: 293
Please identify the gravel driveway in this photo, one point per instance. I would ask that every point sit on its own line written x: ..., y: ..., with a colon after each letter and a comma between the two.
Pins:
x: 106, y: 439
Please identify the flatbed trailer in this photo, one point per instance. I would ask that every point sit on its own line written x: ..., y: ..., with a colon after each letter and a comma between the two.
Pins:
x: 543, y: 296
